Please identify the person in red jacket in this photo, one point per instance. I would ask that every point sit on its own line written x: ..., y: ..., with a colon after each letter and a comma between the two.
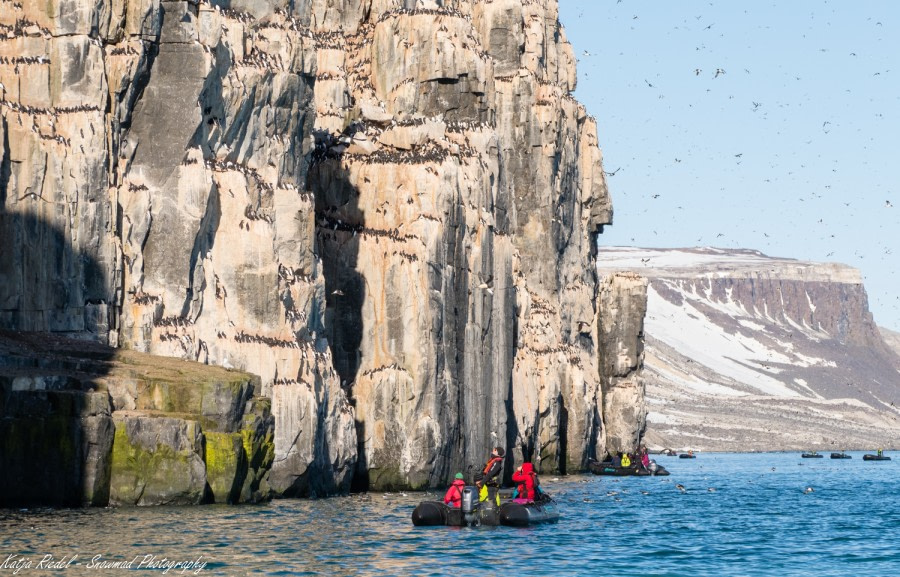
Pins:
x: 454, y: 493
x: 527, y: 480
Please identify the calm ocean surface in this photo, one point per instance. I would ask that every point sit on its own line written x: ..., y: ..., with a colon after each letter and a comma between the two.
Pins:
x: 740, y: 515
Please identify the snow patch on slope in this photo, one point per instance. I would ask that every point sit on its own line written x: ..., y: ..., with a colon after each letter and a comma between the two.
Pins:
x: 689, y: 331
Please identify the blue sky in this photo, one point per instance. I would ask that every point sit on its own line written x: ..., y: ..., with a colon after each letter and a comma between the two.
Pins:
x: 772, y: 126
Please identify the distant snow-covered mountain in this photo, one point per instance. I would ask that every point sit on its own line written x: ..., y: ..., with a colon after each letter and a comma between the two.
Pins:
x: 749, y: 352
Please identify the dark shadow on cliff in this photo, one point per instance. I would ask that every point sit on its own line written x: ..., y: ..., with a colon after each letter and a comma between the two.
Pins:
x: 55, y: 431
x: 563, y: 451
x: 512, y: 427
x: 339, y: 224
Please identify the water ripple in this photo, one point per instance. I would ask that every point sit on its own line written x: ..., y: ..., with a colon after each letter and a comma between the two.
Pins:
x: 739, y: 515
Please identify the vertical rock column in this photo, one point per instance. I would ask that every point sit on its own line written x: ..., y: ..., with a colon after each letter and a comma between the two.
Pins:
x: 418, y: 284
x: 153, y: 158
x: 622, y: 306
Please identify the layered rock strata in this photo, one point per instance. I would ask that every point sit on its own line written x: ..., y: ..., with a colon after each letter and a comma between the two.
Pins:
x: 386, y: 209
x: 153, y: 169
x: 750, y: 352
x: 459, y: 190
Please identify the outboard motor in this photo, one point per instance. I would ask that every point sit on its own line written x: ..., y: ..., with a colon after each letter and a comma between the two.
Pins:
x: 469, y: 503
x: 653, y: 467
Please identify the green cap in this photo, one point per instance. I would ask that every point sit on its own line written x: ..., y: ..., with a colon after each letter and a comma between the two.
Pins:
x: 459, y: 476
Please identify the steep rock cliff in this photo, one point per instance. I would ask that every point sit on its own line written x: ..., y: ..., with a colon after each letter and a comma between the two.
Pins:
x: 459, y: 190
x: 385, y: 208
x: 158, y: 152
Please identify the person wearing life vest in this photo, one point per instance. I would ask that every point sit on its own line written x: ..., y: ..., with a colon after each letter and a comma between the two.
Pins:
x: 626, y: 461
x: 488, y: 481
x: 453, y: 497
x: 616, y: 459
x: 527, y: 481
x: 645, y: 458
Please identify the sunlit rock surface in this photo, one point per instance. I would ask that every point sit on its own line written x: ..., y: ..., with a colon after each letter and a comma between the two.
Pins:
x: 458, y: 193
x: 623, y: 306
x: 386, y: 209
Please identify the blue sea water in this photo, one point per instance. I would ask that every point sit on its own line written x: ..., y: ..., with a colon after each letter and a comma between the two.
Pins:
x: 740, y: 514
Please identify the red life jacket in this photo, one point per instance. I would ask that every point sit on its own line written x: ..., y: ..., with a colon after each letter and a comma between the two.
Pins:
x: 453, y: 497
x: 527, y: 480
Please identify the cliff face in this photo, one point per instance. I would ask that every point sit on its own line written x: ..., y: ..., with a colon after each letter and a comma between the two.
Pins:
x: 749, y: 352
x: 384, y: 208
x: 159, y: 148
x: 458, y: 192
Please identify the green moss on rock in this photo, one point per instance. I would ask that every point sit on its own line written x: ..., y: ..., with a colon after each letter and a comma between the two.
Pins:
x: 157, y: 462
x: 258, y: 440
x: 391, y: 479
x: 226, y: 466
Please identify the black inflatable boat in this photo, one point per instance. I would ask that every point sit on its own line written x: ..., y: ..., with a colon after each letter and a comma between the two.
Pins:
x: 686, y: 456
x: 841, y: 456
x: 813, y: 455
x: 875, y: 458
x: 607, y: 468
x: 514, y: 513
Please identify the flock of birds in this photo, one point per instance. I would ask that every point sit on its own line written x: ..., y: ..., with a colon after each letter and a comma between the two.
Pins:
x: 24, y: 60
x: 791, y: 171
x: 271, y: 342
x: 248, y: 172
x: 335, y: 146
x: 443, y: 11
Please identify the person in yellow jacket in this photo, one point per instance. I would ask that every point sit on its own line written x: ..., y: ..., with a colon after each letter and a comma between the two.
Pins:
x: 626, y: 460
x: 488, y: 481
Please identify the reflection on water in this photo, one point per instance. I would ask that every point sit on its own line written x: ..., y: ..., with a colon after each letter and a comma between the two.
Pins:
x: 739, y: 514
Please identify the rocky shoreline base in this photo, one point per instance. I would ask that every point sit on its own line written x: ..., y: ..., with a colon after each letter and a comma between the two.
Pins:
x: 85, y: 424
